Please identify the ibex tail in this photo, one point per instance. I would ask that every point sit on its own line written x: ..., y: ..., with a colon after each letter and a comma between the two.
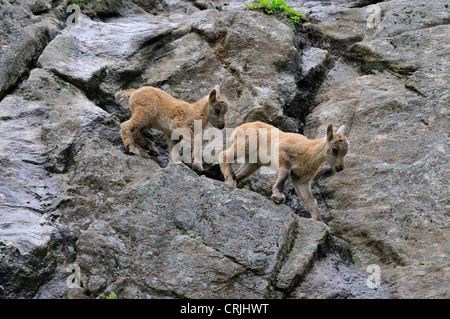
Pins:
x: 123, y: 95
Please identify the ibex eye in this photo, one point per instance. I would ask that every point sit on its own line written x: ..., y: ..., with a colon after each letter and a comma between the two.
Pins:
x: 335, y: 151
x: 217, y: 111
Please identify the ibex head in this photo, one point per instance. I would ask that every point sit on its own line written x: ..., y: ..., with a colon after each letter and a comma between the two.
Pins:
x: 217, y: 108
x: 336, y: 147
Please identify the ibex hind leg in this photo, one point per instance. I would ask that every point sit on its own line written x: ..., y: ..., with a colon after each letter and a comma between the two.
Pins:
x: 278, y: 188
x: 226, y: 168
x: 143, y: 142
x: 245, y: 171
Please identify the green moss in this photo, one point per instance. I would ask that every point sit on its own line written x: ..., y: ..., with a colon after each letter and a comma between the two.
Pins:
x: 80, y: 3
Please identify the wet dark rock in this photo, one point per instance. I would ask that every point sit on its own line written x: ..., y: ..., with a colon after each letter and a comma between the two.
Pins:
x: 26, y: 27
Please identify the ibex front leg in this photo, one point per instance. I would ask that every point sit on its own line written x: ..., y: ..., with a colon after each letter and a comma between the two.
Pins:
x: 196, y: 144
x: 305, y: 194
x: 278, y: 189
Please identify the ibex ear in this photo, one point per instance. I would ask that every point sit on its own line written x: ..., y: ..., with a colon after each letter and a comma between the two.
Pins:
x: 329, y: 132
x: 217, y: 88
x: 341, y: 130
x: 212, y: 95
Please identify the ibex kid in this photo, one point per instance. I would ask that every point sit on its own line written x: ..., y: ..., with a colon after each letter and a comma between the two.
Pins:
x: 154, y: 108
x: 298, y: 157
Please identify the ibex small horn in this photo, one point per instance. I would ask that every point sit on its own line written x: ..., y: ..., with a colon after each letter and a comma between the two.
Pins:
x: 341, y: 130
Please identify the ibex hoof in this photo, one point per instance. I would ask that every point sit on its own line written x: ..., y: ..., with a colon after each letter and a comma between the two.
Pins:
x: 153, y: 150
x: 230, y: 181
x: 154, y: 153
x: 197, y: 167
x: 133, y: 150
x: 278, y: 198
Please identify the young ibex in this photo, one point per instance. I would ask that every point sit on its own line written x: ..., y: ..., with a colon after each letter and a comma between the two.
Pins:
x: 153, y: 108
x: 298, y: 157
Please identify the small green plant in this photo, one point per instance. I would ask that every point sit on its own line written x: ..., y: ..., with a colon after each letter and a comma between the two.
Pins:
x: 80, y: 3
x: 270, y: 5
x: 112, y: 296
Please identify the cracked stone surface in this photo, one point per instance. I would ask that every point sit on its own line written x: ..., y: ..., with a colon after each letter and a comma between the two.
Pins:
x: 71, y: 195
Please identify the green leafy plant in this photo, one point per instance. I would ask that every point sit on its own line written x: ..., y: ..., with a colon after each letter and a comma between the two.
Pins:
x: 269, y: 6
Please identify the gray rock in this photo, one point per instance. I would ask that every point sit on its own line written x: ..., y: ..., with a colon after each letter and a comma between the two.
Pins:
x: 341, y: 71
x: 390, y: 201
x: 313, y: 60
x: 101, y: 8
x: 310, y: 236
x: 39, y: 6
x: 206, y: 239
x: 432, y: 279
x: 407, y: 52
x: 344, y: 22
x: 266, y: 63
x: 401, y: 174
x: 25, y: 29
x: 335, y: 278
x: 259, y: 79
x: 153, y: 6
x: 188, y: 71
x: 31, y: 246
x: 103, y: 49
x: 67, y: 110
x: 39, y: 126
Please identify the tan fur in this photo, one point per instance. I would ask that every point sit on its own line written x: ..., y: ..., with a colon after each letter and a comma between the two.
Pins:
x: 154, y: 108
x: 298, y: 157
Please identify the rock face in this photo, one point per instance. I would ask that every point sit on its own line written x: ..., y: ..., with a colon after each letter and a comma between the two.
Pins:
x: 81, y: 218
x: 26, y: 28
x: 390, y: 202
x: 398, y: 121
x: 198, y: 239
